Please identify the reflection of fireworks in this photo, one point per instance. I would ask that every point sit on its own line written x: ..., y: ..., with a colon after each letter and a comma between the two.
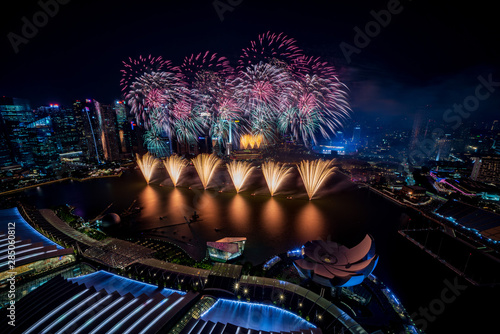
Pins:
x: 314, y: 173
x: 274, y: 173
x: 147, y: 164
x: 239, y: 171
x: 174, y: 166
x: 250, y: 141
x: 205, y: 165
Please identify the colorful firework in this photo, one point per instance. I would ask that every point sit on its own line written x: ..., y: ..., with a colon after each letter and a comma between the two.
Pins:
x: 262, y: 85
x: 196, y: 67
x: 134, y: 68
x: 274, y: 173
x: 156, y: 141
x: 270, y: 48
x: 239, y: 172
x: 157, y: 90
x: 205, y: 165
x: 314, y: 173
x: 147, y: 164
x: 174, y: 166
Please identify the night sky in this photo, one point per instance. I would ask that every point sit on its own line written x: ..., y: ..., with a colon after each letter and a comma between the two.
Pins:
x: 428, y: 56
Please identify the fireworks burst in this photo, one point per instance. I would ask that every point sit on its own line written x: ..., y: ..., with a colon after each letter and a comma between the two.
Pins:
x: 274, y: 173
x: 314, y: 173
x: 157, y: 90
x: 156, y: 142
x: 250, y: 141
x: 147, y: 164
x: 197, y: 68
x: 275, y: 90
x: 205, y: 165
x: 270, y: 48
x: 239, y: 172
x: 262, y: 85
x: 134, y: 68
x: 174, y: 166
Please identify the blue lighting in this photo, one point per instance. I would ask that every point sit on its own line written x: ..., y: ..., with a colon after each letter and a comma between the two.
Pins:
x: 111, y: 282
x: 255, y: 316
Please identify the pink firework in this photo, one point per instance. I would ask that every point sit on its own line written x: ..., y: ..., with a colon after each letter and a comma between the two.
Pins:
x: 319, y: 84
x: 277, y: 49
x: 205, y: 67
x: 152, y: 91
x: 262, y: 86
x: 134, y: 68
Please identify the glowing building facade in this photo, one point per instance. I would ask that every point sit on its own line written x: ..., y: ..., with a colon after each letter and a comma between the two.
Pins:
x: 226, y: 249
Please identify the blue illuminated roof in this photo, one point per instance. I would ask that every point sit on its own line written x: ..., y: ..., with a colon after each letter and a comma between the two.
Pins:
x: 111, y: 282
x: 23, y: 230
x: 255, y: 316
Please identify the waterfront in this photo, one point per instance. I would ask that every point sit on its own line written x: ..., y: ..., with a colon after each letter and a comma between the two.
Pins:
x: 273, y: 225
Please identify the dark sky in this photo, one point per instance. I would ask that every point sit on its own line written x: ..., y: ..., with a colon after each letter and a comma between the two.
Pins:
x: 429, y: 54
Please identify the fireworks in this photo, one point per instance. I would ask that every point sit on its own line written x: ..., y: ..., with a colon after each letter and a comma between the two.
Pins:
x: 134, y: 68
x: 274, y: 173
x: 147, y: 165
x: 271, y: 48
x: 262, y: 85
x: 156, y: 90
x: 250, y: 141
x: 174, y: 166
x: 275, y: 90
x: 239, y: 172
x: 205, y: 165
x: 314, y: 173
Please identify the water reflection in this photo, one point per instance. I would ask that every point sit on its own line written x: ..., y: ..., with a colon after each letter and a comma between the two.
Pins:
x: 150, y: 200
x: 273, y: 217
x: 310, y: 223
x: 239, y: 212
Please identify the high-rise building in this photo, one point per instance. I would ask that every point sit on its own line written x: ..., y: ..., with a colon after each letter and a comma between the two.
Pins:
x: 43, y: 144
x: 15, y: 115
x: 486, y: 169
x: 356, y: 134
x: 123, y: 128
x: 67, y: 128
x: 108, y: 131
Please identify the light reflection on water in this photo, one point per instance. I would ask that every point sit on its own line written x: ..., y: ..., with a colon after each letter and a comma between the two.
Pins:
x: 270, y: 224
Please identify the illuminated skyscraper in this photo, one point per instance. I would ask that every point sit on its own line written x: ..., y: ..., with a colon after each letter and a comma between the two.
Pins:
x: 15, y: 114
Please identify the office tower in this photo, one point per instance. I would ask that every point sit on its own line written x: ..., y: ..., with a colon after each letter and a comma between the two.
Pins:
x: 15, y: 114
x: 486, y: 169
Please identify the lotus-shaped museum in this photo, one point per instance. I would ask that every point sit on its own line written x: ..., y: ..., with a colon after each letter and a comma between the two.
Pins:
x: 330, y: 264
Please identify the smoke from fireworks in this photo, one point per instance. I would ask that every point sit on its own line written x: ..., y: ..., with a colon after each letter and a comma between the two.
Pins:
x: 147, y: 164
x: 313, y: 174
x: 274, y: 173
x: 239, y: 172
x: 174, y: 166
x: 205, y: 165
